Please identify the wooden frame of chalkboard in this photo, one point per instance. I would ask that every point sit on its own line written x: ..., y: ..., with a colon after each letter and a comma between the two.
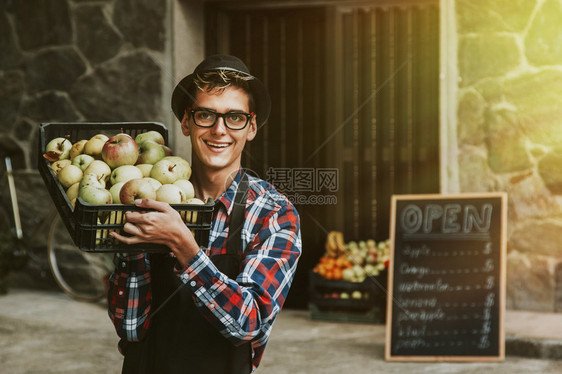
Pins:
x: 446, y: 280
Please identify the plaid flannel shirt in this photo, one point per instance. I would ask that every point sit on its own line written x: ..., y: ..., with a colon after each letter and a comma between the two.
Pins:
x: 244, y: 309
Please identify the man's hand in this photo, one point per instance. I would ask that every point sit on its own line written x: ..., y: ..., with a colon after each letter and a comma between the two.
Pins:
x: 161, y: 225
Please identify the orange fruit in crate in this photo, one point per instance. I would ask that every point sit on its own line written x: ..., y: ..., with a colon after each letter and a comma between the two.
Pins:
x: 337, y: 273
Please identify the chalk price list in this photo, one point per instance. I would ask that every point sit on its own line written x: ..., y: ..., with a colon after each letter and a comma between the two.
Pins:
x: 446, y: 286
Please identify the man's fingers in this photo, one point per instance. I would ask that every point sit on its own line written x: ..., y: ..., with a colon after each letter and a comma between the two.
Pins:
x: 153, y: 204
x: 124, y: 239
x: 131, y: 228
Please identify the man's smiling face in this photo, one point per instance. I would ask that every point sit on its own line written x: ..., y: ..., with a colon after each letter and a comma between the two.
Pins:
x: 218, y: 147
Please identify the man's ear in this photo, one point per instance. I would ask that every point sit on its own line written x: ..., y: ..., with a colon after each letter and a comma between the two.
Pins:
x: 253, y: 129
x: 185, y: 125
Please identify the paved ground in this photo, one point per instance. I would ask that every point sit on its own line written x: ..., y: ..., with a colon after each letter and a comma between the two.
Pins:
x: 46, y: 332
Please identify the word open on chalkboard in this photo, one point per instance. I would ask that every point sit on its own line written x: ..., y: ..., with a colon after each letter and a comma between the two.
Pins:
x: 447, y: 278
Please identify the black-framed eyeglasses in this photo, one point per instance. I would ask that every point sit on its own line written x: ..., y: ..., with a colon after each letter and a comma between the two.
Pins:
x: 208, y: 118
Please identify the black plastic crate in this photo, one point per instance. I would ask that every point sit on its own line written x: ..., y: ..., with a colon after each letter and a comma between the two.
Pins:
x: 90, y: 225
x: 95, y: 222
x: 325, y: 302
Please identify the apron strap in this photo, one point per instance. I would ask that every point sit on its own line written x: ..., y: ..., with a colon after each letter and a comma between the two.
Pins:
x: 234, y: 240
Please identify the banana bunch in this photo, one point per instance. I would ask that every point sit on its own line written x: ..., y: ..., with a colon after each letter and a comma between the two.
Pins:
x: 335, y: 245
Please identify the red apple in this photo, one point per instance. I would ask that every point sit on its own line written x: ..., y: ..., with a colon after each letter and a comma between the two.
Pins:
x: 119, y: 150
x: 137, y: 188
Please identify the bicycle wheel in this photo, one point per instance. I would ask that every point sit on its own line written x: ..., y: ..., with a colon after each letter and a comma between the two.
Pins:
x: 81, y: 275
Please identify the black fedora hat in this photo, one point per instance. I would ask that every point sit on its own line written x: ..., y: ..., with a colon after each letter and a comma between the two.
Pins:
x: 180, y: 96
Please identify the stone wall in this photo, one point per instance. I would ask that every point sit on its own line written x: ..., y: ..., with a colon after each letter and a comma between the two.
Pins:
x: 78, y: 60
x: 510, y: 133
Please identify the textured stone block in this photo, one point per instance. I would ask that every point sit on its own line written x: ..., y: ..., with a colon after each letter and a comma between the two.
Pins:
x: 506, y: 143
x: 485, y: 16
x: 142, y: 22
x: 537, y: 97
x: 487, y: 56
x: 122, y: 89
x: 475, y: 175
x: 538, y: 237
x: 12, y: 87
x: 50, y: 106
x: 470, y: 115
x: 529, y: 197
x: 63, y: 65
x: 530, y: 283
x: 492, y: 90
x: 558, y: 280
x: 96, y: 37
x: 10, y: 55
x: 24, y: 129
x: 543, y: 41
x: 550, y: 169
x: 41, y: 23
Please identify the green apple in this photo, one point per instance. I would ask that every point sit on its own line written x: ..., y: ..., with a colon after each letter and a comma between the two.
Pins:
x: 187, y: 188
x: 166, y: 171
x: 77, y: 148
x: 100, y: 136
x: 116, y: 217
x: 125, y: 173
x: 100, y: 237
x: 82, y: 161
x: 154, y: 183
x: 59, y: 165
x: 100, y: 168
x: 150, y: 152
x: 145, y: 169
x: 69, y: 175
x: 114, y: 190
x: 95, y: 195
x: 72, y: 192
x: 94, y: 146
x: 193, y: 216
x: 183, y: 166
x: 151, y: 135
x: 170, y: 193
x: 92, y: 179
x: 58, y: 149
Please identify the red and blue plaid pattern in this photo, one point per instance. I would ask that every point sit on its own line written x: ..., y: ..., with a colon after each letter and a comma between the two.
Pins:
x: 243, y: 309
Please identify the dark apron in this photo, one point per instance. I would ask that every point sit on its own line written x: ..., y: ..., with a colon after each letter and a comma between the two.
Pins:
x: 179, y: 339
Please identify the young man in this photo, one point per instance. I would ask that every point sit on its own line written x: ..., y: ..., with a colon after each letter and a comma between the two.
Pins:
x: 208, y: 310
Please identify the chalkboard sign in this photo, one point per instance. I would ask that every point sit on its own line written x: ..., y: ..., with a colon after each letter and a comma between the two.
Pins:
x: 446, y: 296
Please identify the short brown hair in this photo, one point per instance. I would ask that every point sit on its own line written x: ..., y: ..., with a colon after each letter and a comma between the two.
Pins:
x: 219, y: 80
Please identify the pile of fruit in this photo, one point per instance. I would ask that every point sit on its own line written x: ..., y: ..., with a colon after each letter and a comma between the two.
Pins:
x: 352, y: 261
x: 120, y: 169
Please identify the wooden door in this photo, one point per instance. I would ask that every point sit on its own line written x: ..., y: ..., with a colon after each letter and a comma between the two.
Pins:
x: 354, y: 115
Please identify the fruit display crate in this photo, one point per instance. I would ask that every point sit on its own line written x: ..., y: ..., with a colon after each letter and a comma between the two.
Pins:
x: 326, y: 301
x: 89, y: 225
